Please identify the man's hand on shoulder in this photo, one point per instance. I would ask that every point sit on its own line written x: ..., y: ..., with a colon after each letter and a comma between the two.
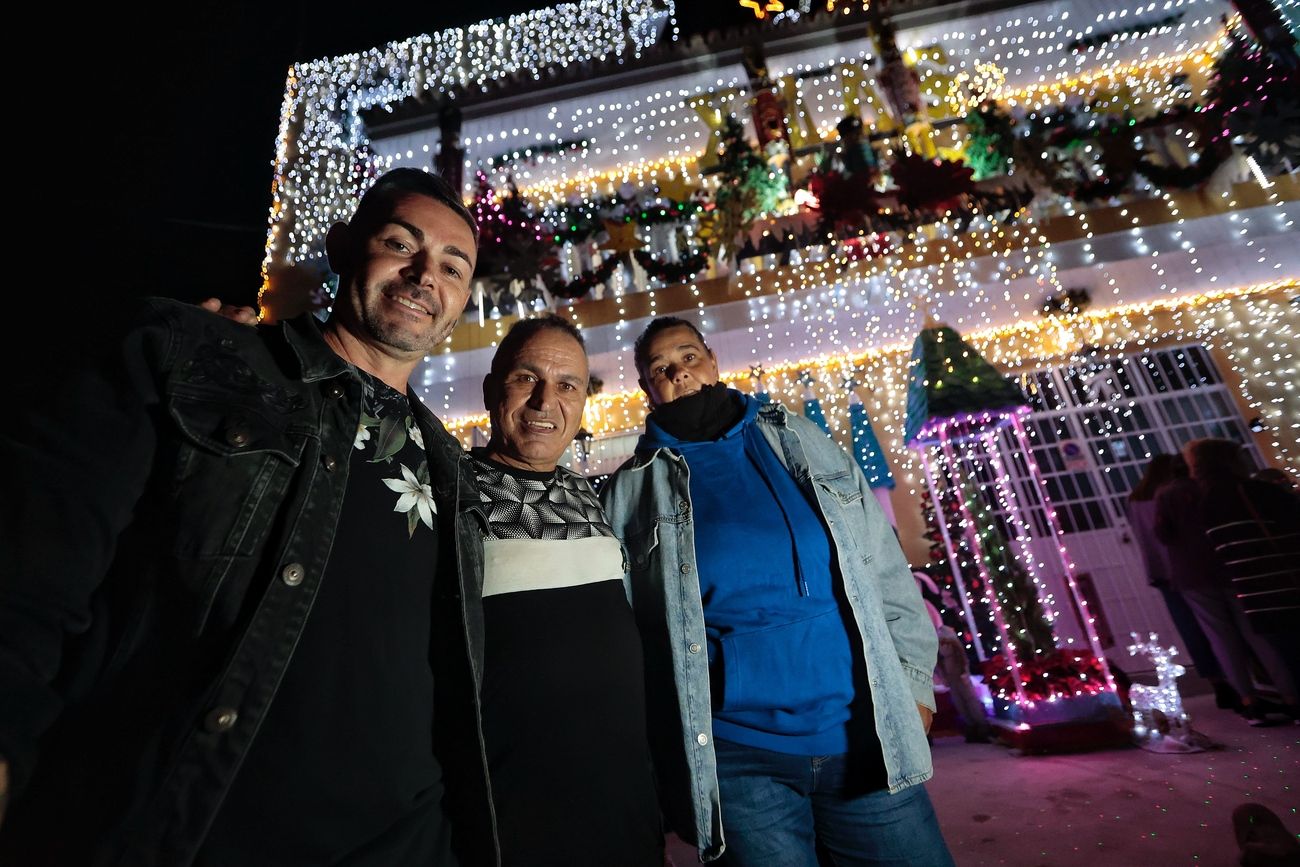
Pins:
x: 242, y: 315
x: 927, y: 716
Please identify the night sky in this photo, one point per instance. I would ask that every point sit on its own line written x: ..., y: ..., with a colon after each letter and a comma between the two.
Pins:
x: 150, y: 156
x: 172, y: 138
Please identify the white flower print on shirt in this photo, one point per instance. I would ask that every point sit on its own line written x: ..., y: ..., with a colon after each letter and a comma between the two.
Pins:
x: 363, y: 430
x: 416, y: 498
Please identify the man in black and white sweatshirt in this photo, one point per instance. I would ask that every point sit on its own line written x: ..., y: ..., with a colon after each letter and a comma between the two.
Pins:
x: 563, y: 695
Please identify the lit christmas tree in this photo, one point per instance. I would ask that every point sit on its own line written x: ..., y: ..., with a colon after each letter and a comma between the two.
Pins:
x: 949, y: 380
x: 1008, y: 580
x: 747, y: 188
x: 965, y: 417
x: 961, y: 602
x: 989, y: 140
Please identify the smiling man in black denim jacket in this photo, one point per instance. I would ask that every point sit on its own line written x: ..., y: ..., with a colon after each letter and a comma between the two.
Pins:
x: 239, y: 614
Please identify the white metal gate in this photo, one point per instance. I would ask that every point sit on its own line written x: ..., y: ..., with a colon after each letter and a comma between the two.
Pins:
x: 1093, y: 427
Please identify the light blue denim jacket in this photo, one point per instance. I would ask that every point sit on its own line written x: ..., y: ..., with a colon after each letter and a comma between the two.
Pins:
x: 648, y: 505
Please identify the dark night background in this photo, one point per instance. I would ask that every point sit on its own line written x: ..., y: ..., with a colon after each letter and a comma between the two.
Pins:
x: 158, y: 131
x: 148, y: 141
x: 177, y: 131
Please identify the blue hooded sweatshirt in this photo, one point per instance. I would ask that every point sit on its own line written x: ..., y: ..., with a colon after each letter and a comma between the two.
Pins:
x: 782, y: 663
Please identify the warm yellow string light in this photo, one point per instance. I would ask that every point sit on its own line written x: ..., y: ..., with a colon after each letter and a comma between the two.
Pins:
x: 1222, y: 319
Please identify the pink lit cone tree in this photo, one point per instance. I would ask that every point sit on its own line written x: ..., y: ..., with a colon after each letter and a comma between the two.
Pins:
x: 965, y: 418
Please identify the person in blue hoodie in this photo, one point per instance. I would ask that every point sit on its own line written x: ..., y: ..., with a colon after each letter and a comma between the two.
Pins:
x: 788, y: 655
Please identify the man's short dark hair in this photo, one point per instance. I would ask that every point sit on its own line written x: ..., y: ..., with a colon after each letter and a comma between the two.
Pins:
x: 641, y: 348
x: 376, y: 200
x: 524, y: 330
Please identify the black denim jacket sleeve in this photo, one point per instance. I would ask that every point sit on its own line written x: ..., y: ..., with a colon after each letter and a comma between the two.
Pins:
x: 77, y: 464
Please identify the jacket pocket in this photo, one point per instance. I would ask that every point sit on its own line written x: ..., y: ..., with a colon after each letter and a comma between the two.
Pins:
x: 230, y: 459
x: 233, y: 465
x: 225, y: 428
x: 641, y: 547
x: 790, y: 668
x: 841, y: 485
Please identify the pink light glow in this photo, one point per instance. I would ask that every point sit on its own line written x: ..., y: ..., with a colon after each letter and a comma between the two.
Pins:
x: 940, y: 425
x: 1093, y: 641
x: 968, y: 529
x: 947, y: 434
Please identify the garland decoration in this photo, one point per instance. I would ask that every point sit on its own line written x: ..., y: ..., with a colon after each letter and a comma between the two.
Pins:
x: 576, y: 223
x: 584, y: 282
x: 672, y: 272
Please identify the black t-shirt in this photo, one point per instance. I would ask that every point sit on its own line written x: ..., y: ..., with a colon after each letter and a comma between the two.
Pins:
x: 342, y: 771
x: 563, y: 691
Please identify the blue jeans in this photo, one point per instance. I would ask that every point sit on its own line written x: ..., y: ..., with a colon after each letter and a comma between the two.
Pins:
x: 800, y: 811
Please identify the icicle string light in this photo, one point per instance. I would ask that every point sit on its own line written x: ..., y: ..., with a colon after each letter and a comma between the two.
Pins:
x: 990, y: 584
x: 324, y: 153
x: 836, y: 308
x: 1080, y: 603
x: 1226, y: 318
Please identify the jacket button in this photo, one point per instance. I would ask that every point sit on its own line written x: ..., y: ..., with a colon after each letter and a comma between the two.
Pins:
x: 292, y: 574
x: 334, y: 390
x: 220, y: 719
x: 237, y: 435
x: 694, y: 648
x: 331, y: 463
x: 702, y: 739
x: 686, y: 568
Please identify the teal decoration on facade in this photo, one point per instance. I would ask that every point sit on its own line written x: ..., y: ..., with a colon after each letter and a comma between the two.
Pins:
x: 812, y: 407
x: 812, y: 410
x: 866, y: 447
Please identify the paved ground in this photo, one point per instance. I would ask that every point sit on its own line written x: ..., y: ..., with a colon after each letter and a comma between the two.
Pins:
x: 1111, y: 808
x: 1125, y: 807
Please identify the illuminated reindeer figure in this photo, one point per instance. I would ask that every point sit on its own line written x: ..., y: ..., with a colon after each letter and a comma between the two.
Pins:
x: 1159, y: 722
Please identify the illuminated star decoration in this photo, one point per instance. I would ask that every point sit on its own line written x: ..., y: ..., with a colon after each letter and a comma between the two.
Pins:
x: 622, y: 237
x: 763, y: 7
x: 677, y: 188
